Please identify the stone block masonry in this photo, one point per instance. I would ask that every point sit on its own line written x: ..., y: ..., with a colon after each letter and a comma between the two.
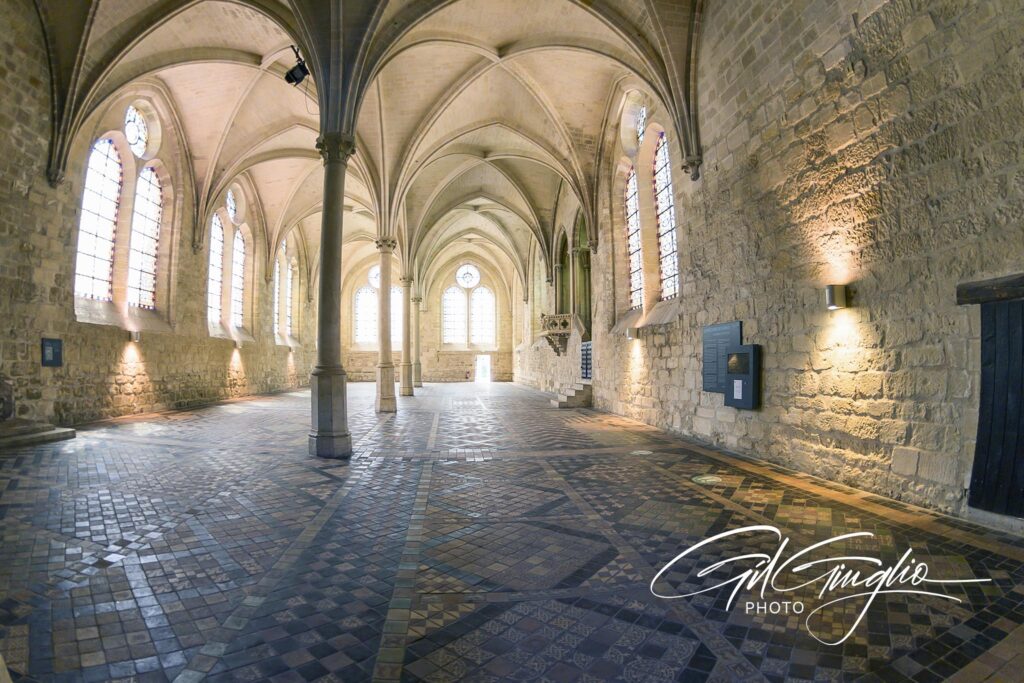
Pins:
x: 875, y: 144
x: 104, y: 375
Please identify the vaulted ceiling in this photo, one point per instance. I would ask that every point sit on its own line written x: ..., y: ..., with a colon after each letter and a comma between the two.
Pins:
x: 473, y: 119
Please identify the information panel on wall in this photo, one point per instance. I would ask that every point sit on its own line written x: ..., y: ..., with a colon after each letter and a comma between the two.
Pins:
x: 717, y: 340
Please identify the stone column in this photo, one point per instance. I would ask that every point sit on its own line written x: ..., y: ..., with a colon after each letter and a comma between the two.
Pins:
x: 583, y: 288
x: 386, y: 402
x: 417, y: 369
x: 329, y: 436
x: 559, y: 288
x: 571, y: 276
x: 406, y: 368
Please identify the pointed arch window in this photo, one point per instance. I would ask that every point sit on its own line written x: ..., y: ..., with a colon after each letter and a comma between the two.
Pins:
x: 238, y: 280
x: 288, y: 293
x: 482, y: 316
x: 641, y: 124
x: 453, y: 313
x: 633, y: 249
x: 366, y: 315
x: 282, y: 257
x: 145, y: 238
x: 94, y: 264
x: 215, y: 279
x: 664, y: 203
x: 277, y: 297
x: 123, y: 254
x: 468, y: 312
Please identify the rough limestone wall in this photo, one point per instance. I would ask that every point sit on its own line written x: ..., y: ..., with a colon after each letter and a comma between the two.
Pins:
x: 103, y: 374
x: 881, y: 149
x: 539, y: 367
x: 361, y: 366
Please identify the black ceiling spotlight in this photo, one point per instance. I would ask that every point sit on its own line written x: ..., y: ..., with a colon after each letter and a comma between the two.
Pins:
x: 298, y: 72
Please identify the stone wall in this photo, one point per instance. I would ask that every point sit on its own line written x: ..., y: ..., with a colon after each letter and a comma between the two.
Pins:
x: 539, y: 367
x: 442, y: 364
x: 103, y: 374
x: 870, y: 143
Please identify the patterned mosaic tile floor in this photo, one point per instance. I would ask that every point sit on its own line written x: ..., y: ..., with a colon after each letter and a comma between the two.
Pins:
x: 477, y: 535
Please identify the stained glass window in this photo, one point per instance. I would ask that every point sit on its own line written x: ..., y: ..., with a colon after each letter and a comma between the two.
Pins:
x: 277, y: 297
x: 664, y: 204
x: 136, y: 131
x: 482, y: 316
x: 231, y: 204
x: 396, y: 316
x: 238, y: 280
x: 288, y: 293
x: 636, y: 271
x: 453, y: 316
x: 641, y: 124
x: 215, y: 280
x: 145, y: 239
x: 366, y: 315
x: 94, y: 265
x: 468, y: 276
x: 282, y: 257
x: 374, y: 277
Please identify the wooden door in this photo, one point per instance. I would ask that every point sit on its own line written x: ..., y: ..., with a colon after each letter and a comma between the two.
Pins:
x: 997, y: 479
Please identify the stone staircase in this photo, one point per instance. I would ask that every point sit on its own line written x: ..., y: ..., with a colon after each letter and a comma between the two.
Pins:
x: 579, y: 395
x: 17, y: 432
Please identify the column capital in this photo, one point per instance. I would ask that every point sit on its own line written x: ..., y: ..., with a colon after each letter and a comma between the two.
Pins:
x: 336, y: 147
x: 406, y: 281
x: 386, y: 244
x: 417, y: 299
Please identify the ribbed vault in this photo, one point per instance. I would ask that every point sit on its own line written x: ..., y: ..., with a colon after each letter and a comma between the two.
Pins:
x: 475, y: 121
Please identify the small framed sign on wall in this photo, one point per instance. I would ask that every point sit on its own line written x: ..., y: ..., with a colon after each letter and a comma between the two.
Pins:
x: 53, y: 353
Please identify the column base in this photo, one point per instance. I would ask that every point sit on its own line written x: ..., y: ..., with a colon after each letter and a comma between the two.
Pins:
x: 417, y: 375
x: 386, y: 401
x: 333, y: 446
x: 329, y: 437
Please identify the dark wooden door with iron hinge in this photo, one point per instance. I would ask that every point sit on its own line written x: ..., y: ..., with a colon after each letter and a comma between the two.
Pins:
x: 997, y: 480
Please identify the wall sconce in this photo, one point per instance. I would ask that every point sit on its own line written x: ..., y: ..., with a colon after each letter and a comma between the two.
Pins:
x: 835, y: 297
x: 238, y: 343
x: 632, y: 333
x: 134, y: 336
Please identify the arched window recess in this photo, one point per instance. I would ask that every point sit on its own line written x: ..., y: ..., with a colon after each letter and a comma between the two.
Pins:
x: 124, y: 242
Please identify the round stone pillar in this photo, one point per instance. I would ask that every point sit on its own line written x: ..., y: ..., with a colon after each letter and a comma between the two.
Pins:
x: 406, y: 366
x: 417, y: 369
x: 329, y: 436
x: 386, y: 402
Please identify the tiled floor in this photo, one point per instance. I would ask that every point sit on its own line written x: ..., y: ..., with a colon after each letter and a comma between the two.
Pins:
x: 478, y: 535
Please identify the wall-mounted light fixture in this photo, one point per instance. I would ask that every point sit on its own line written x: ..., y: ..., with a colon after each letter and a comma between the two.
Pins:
x: 134, y: 336
x: 632, y: 333
x: 238, y: 343
x: 835, y: 297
